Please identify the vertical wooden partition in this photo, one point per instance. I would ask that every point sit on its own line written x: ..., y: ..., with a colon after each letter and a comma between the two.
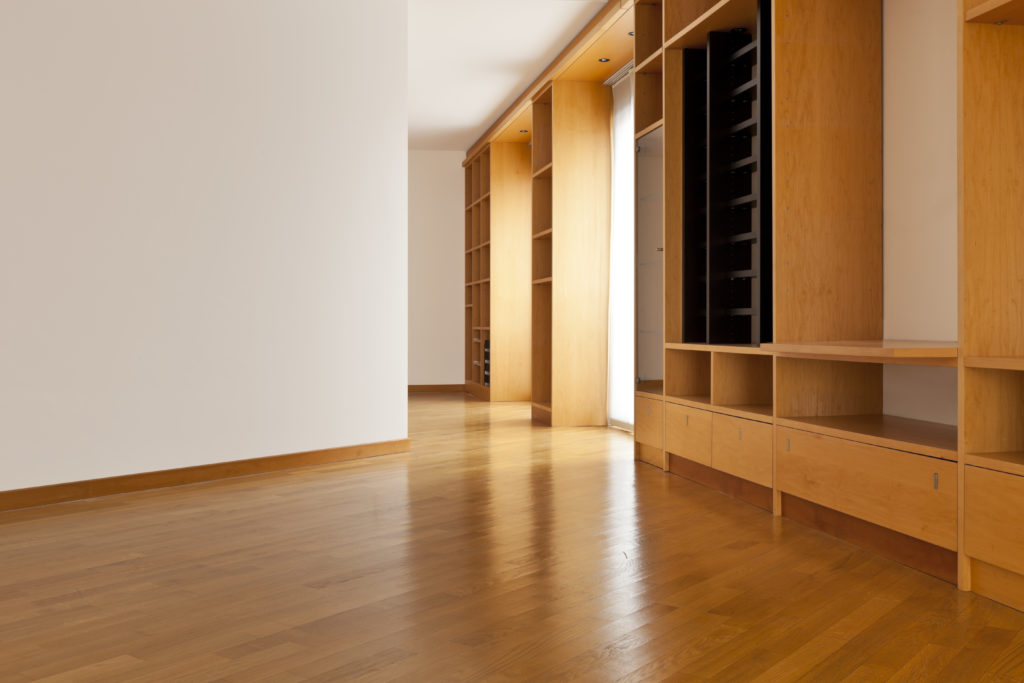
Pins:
x: 572, y: 157
x: 991, y: 302
x: 827, y: 90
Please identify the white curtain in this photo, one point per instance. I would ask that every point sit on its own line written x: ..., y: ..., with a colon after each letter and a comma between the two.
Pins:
x: 621, y: 278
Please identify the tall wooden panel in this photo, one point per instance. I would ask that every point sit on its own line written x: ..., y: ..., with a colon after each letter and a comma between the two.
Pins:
x: 827, y: 91
x: 510, y: 271
x: 993, y: 190
x: 991, y: 305
x: 577, y: 286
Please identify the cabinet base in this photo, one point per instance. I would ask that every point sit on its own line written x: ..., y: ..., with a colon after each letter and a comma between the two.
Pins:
x: 930, y: 559
x: 997, y: 584
x: 747, y: 491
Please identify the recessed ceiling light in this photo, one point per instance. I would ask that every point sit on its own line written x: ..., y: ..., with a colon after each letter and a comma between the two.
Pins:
x: 604, y: 59
x: 524, y: 131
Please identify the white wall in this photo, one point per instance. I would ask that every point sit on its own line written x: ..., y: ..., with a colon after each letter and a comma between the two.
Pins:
x: 203, y: 223
x: 437, y: 242
x: 920, y: 209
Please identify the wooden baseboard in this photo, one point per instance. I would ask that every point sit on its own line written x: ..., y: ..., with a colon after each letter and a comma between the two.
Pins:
x: 649, y: 454
x: 747, y: 491
x: 479, y: 390
x: 95, y: 488
x: 435, y: 388
x: 913, y: 552
x: 997, y: 583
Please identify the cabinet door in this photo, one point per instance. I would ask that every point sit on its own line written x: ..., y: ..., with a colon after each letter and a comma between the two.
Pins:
x: 742, y: 448
x: 648, y: 422
x: 905, y: 492
x: 994, y: 520
x: 688, y: 433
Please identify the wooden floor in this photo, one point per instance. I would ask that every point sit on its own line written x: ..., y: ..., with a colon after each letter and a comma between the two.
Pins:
x: 495, y: 550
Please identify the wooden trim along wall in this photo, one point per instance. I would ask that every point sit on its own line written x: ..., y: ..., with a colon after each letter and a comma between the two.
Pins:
x: 95, y: 488
x: 435, y: 388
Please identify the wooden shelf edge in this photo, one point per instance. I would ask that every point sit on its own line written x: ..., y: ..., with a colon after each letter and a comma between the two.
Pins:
x: 541, y: 406
x: 678, y: 41
x: 994, y: 363
x: 757, y: 413
x: 842, y: 428
x: 486, y: 195
x: 479, y: 246
x: 542, y: 281
x: 651, y: 128
x: 719, y: 348
x: 700, y: 402
x: 654, y: 387
x: 544, y: 171
x: 871, y: 351
x: 542, y: 234
x: 643, y: 67
x: 1007, y: 463
x: 997, y: 12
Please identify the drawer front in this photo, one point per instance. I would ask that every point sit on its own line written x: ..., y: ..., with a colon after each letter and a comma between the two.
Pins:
x: 742, y: 448
x: 688, y: 433
x: 648, y: 421
x: 994, y: 518
x: 912, y: 494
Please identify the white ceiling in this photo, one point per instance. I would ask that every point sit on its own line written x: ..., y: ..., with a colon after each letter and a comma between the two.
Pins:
x: 470, y: 59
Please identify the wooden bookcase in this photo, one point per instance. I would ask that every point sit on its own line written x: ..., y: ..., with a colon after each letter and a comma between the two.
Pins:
x: 497, y: 272
x: 794, y: 421
x: 992, y: 311
x: 773, y: 348
x: 571, y: 165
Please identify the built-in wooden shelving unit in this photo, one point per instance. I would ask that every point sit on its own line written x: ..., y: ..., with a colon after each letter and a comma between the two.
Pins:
x: 478, y: 288
x: 992, y: 311
x: 570, y: 208
x: 497, y: 265
x: 774, y: 359
x: 880, y: 351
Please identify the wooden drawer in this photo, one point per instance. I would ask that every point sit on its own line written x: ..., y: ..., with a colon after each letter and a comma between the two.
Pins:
x: 688, y: 433
x: 994, y: 518
x: 912, y: 494
x: 648, y: 422
x: 742, y: 448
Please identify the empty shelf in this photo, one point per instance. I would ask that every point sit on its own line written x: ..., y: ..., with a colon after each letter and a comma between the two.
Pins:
x: 915, y: 436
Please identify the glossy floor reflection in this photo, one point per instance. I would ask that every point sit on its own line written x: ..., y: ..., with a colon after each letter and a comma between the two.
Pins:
x: 495, y: 549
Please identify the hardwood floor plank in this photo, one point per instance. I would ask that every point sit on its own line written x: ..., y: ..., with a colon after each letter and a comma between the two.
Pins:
x: 496, y: 549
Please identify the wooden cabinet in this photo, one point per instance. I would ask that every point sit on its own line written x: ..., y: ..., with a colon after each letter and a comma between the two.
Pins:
x: 742, y: 448
x: 648, y: 422
x: 912, y: 494
x: 688, y: 433
x: 994, y: 518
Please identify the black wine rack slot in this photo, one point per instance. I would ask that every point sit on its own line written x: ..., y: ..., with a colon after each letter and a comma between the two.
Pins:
x: 727, y: 188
